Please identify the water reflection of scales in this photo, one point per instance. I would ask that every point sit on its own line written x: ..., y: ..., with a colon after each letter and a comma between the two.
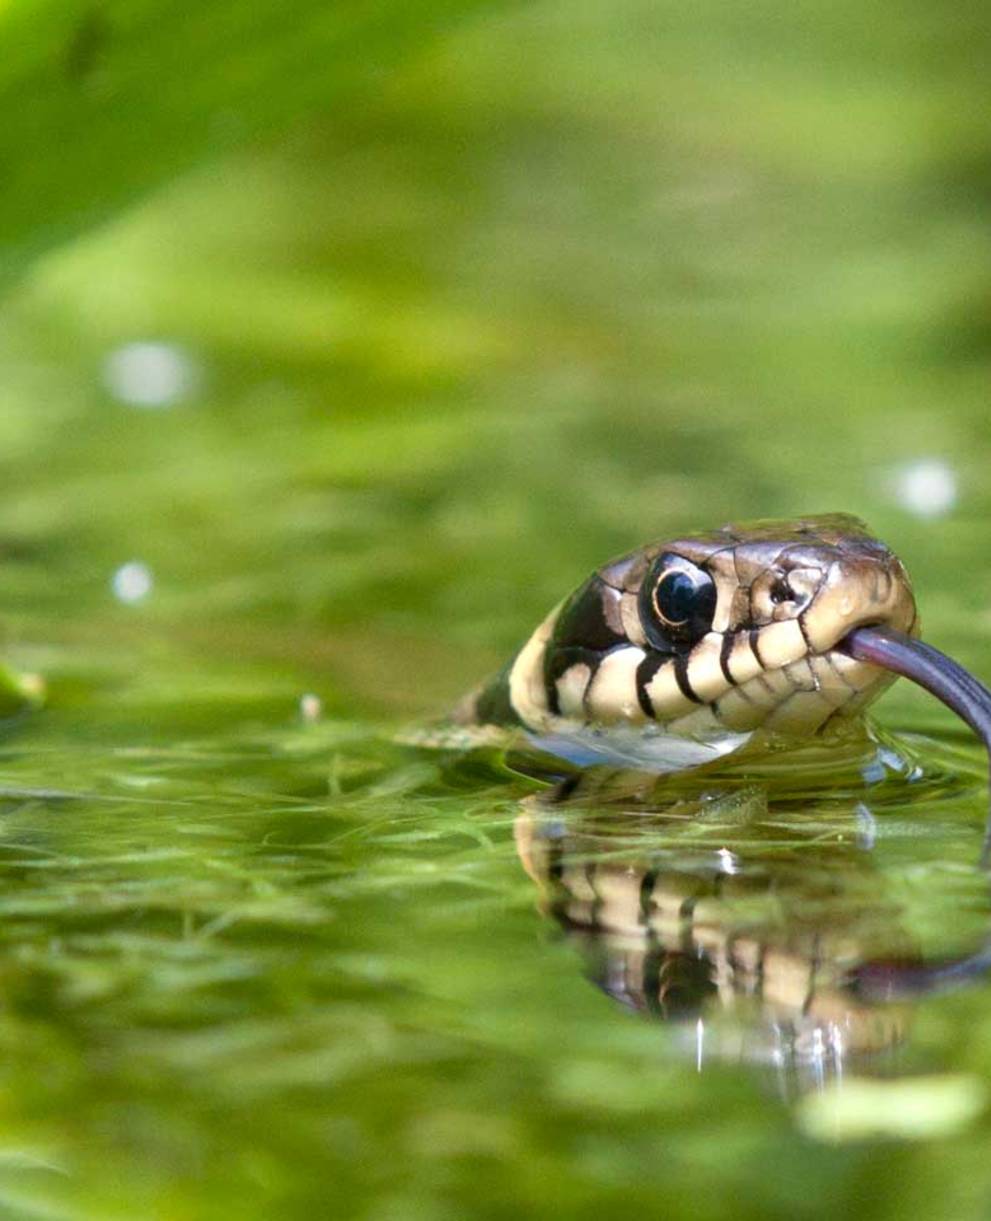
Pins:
x: 783, y: 949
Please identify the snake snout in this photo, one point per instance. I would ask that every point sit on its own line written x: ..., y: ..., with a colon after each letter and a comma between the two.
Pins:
x: 859, y: 590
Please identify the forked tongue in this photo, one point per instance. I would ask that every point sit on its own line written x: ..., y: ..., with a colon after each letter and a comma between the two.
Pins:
x: 933, y: 670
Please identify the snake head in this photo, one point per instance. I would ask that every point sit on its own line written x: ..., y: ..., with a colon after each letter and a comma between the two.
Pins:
x: 726, y: 631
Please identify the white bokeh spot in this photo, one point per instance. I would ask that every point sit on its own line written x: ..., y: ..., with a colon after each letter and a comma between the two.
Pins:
x: 927, y: 488
x: 149, y: 374
x: 132, y: 582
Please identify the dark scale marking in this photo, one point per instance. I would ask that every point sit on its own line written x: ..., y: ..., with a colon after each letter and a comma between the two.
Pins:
x: 582, y: 634
x: 681, y: 663
x: 791, y: 678
x: 815, y: 961
x: 759, y: 976
x: 736, y: 969
x: 752, y: 638
x: 832, y: 665
x: 597, y: 904
x: 725, y: 949
x: 838, y: 714
x: 565, y: 788
x: 647, y: 884
x: 650, y: 981
x: 729, y: 640
x: 800, y: 620
x: 685, y: 984
x: 493, y: 705
x: 744, y: 695
x: 558, y: 661
x: 740, y: 582
x: 584, y: 621
x: 555, y: 861
x: 686, y: 920
x: 646, y: 670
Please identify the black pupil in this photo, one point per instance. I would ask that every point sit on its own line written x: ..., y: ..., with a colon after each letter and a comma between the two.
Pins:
x: 683, y: 596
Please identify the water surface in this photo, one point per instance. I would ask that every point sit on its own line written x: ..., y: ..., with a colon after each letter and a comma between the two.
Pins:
x: 298, y: 448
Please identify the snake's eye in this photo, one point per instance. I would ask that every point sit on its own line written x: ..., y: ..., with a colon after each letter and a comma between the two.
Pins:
x: 677, y: 602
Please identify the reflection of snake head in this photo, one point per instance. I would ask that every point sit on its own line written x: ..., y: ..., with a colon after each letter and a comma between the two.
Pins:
x: 712, y: 634
x: 778, y: 951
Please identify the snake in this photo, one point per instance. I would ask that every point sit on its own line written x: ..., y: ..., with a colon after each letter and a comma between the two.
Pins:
x: 673, y: 656
x: 682, y: 650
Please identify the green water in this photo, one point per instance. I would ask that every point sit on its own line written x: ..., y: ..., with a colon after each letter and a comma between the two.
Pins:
x: 518, y: 290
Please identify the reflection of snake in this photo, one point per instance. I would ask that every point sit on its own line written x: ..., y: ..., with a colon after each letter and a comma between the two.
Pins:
x: 678, y: 651
x: 778, y: 946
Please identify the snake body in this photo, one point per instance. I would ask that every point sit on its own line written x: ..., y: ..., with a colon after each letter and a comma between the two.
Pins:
x: 707, y: 638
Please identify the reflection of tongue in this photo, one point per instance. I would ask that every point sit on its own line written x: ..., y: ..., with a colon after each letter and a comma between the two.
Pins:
x: 939, y: 674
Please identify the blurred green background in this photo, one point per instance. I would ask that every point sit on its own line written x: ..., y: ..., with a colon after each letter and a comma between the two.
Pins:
x: 336, y: 343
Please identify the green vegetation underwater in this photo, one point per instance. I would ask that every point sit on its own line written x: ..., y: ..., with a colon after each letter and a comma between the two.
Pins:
x: 335, y: 348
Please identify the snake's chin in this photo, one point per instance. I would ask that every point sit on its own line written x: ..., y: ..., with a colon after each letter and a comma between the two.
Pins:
x: 849, y: 754
x: 655, y: 749
x: 648, y: 748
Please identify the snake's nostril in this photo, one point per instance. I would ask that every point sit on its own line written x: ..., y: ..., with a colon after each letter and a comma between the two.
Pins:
x: 781, y: 591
